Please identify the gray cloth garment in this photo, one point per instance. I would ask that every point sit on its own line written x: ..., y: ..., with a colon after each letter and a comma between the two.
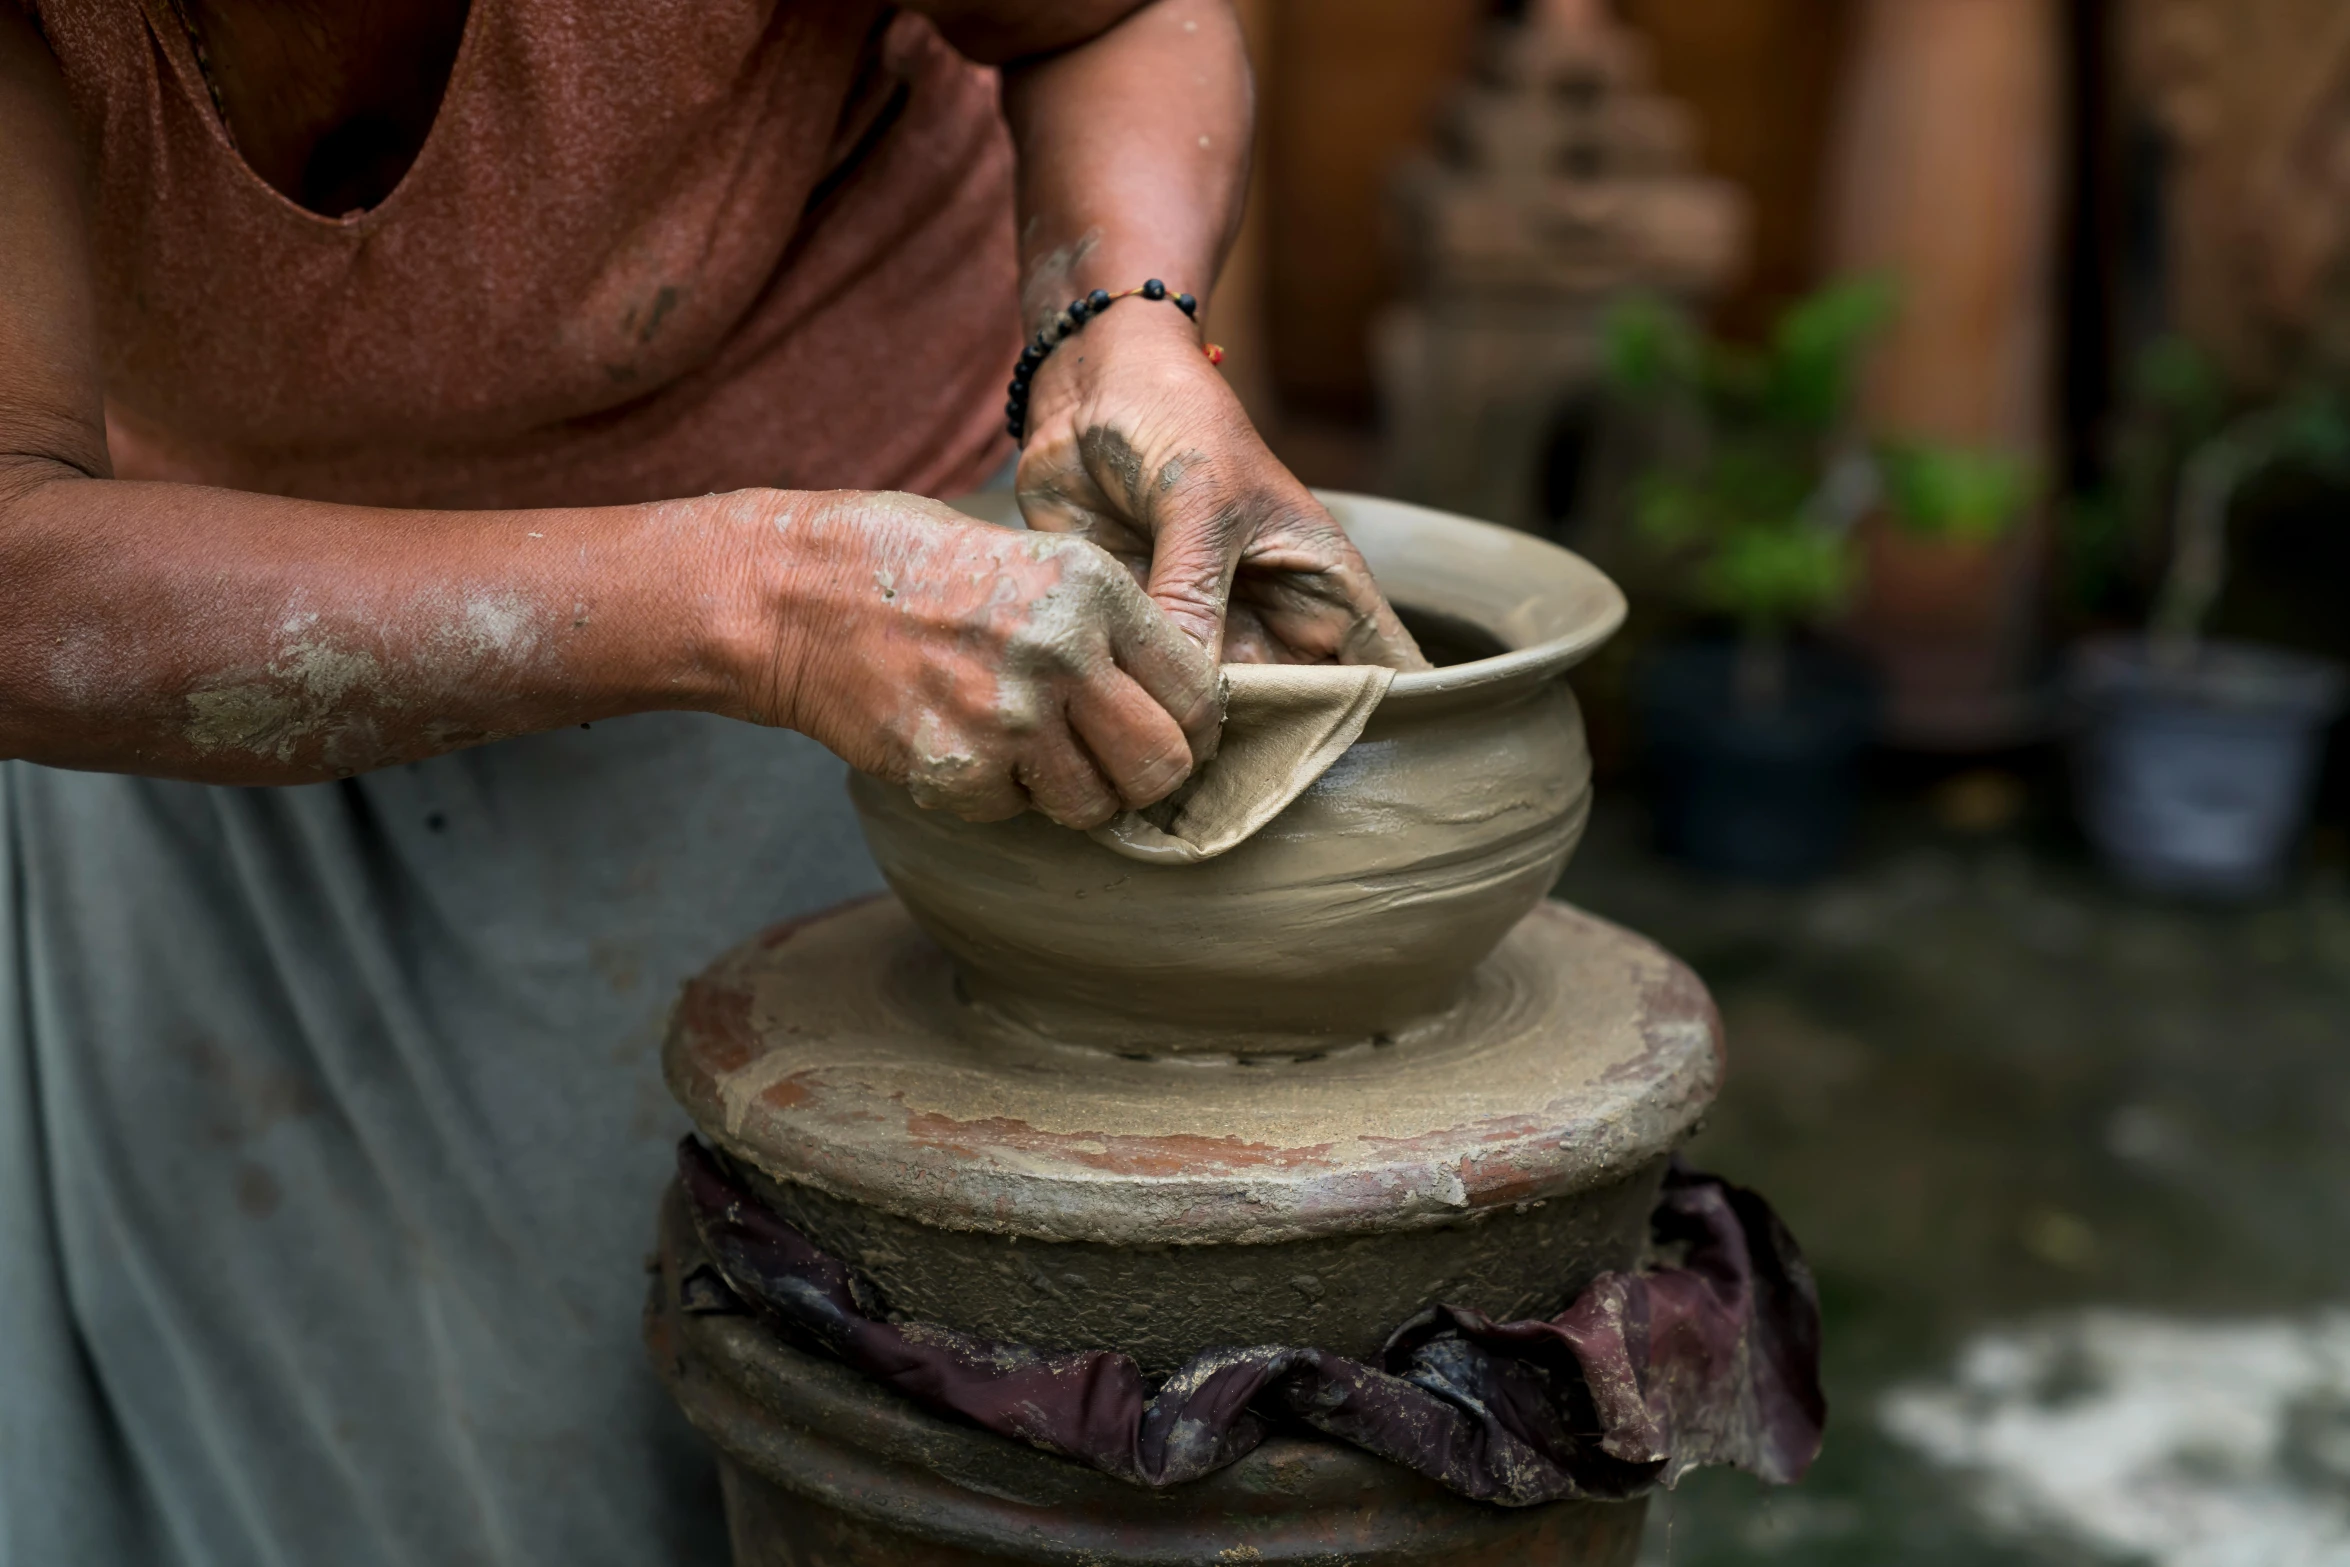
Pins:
x: 331, y: 1130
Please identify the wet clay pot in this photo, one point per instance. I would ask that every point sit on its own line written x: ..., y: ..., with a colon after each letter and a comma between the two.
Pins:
x: 1361, y: 910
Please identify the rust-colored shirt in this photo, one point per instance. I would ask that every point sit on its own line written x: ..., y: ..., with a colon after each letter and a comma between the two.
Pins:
x: 649, y: 249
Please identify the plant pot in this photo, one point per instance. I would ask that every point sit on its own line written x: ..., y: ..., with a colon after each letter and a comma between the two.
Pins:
x: 1766, y: 794
x: 2200, y: 780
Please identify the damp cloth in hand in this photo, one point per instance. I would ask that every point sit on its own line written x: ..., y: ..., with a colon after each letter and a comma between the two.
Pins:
x: 1284, y: 724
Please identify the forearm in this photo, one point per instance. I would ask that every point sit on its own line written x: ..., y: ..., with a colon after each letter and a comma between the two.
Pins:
x: 1133, y: 158
x: 1133, y: 154
x: 185, y: 632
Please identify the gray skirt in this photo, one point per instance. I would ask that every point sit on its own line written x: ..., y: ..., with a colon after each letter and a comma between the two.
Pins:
x: 331, y: 1127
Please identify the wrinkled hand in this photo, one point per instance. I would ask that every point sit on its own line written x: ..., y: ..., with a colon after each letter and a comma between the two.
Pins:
x: 1136, y: 443
x: 986, y: 669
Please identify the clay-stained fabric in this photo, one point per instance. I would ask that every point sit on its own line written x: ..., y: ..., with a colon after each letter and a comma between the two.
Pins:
x: 1708, y: 1356
x: 651, y: 248
x: 1284, y: 725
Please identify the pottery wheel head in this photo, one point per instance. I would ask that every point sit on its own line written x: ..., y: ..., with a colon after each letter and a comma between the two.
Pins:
x: 837, y: 1054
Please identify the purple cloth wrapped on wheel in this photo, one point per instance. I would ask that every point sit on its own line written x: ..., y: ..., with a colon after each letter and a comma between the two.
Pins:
x: 1708, y: 1356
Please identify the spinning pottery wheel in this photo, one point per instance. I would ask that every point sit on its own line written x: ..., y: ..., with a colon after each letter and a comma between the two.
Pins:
x: 1052, y: 1097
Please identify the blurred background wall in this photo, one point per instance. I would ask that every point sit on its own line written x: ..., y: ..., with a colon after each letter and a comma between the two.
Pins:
x: 2060, y: 182
x: 2011, y: 1041
x: 1348, y: 88
x: 2118, y: 229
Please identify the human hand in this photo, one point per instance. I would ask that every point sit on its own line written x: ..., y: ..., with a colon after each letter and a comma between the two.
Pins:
x: 1136, y: 443
x: 986, y: 669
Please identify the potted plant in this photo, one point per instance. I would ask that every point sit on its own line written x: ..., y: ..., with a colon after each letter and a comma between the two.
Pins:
x: 2197, y: 756
x: 1754, y: 481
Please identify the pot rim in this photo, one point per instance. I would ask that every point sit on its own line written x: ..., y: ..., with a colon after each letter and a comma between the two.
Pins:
x: 1362, y: 516
x: 1599, y: 620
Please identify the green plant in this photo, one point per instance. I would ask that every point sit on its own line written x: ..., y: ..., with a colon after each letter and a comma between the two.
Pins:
x: 1965, y: 497
x: 1756, y: 475
x: 2187, y: 454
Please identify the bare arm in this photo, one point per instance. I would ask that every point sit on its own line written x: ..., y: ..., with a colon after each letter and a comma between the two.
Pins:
x: 1133, y: 125
x: 197, y: 633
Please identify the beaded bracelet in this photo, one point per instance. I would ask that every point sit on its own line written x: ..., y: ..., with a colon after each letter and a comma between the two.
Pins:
x: 1067, y: 325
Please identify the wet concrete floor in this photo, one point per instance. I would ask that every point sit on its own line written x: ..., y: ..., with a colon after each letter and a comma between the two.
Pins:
x: 2073, y: 1168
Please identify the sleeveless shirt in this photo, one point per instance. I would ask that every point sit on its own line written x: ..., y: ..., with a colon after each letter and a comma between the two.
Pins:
x: 331, y: 1119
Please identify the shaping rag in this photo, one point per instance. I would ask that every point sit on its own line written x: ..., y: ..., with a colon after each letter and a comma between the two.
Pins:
x: 1284, y: 725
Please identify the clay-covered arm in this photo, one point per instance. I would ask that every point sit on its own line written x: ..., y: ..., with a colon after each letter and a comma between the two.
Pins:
x: 1133, y: 126
x: 187, y: 632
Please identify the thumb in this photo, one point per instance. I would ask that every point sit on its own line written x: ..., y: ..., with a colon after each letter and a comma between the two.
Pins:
x: 1196, y: 541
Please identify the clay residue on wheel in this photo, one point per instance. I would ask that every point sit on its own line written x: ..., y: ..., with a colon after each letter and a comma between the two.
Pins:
x: 872, y: 1082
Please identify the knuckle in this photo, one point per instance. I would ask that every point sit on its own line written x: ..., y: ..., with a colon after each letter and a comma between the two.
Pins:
x: 1180, y: 598
x: 1199, y: 616
x: 1154, y: 781
x: 945, y: 772
x: 1063, y: 797
x: 1085, y: 818
x: 1051, y: 548
x: 1049, y: 654
x: 1083, y: 563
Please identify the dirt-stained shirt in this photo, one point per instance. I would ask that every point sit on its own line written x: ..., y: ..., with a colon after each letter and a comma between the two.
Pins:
x: 648, y: 249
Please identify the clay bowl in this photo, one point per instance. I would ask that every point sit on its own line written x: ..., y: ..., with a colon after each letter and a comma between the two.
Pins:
x: 1358, y: 915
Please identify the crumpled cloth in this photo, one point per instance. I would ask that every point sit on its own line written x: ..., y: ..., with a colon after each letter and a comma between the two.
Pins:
x: 1709, y: 1358
x: 1284, y: 724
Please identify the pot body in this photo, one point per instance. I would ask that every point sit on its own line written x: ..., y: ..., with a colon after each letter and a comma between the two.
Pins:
x: 1768, y: 795
x: 1358, y: 912
x: 2200, y: 781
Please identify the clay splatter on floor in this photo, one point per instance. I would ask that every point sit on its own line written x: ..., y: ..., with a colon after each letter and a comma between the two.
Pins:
x: 2181, y: 1444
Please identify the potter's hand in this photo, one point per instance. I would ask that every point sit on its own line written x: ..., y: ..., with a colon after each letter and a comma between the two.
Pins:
x: 986, y: 669
x: 1135, y: 442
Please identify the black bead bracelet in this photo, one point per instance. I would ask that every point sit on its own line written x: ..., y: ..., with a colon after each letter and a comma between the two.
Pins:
x: 1068, y: 324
